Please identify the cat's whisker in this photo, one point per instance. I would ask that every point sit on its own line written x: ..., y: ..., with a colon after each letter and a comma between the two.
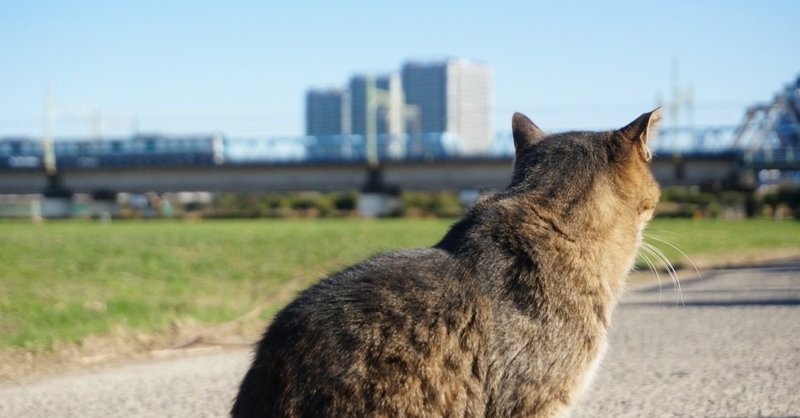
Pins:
x: 669, y: 234
x: 675, y: 247
x: 658, y: 259
x: 659, y: 255
x: 644, y: 254
x: 682, y: 253
x: 653, y: 269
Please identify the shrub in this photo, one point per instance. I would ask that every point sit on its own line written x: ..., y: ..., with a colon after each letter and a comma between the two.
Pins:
x: 784, y: 196
x: 345, y: 202
x: 442, y: 204
x: 686, y: 202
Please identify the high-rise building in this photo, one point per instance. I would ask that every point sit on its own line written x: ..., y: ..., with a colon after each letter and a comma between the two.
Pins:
x: 452, y: 96
x: 327, y: 112
x: 425, y: 86
x: 359, y: 87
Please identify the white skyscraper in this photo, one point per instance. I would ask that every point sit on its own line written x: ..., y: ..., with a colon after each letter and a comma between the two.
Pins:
x: 453, y: 96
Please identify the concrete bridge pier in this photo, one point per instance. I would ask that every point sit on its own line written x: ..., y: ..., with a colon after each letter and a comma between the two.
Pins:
x: 377, y: 198
x: 56, y: 199
x: 104, y: 204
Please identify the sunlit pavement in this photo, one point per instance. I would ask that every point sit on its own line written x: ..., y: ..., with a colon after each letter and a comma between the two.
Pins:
x: 730, y: 348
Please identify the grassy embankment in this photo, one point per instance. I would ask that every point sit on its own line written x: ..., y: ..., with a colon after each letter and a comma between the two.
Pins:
x: 63, y: 281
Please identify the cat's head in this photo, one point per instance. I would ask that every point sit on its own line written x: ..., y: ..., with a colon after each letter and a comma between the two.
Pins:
x: 603, y: 174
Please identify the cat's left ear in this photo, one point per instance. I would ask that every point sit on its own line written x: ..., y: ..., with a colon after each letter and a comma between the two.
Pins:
x: 525, y: 132
x: 641, y: 131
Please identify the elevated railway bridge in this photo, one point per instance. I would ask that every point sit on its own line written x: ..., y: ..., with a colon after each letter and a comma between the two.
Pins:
x: 710, y: 169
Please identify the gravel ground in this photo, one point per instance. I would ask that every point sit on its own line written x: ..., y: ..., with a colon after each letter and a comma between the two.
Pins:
x: 731, y: 349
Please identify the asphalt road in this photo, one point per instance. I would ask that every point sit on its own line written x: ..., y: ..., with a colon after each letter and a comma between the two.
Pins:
x: 731, y: 349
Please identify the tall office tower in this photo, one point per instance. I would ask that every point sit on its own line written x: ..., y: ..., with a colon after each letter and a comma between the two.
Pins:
x: 327, y: 112
x: 453, y: 96
x: 386, y: 95
x: 358, y: 88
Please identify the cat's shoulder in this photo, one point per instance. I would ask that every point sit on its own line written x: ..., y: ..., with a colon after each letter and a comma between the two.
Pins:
x: 397, y: 269
x: 400, y: 271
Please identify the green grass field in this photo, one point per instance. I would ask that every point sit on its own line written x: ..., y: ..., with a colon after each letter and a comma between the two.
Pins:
x: 63, y: 281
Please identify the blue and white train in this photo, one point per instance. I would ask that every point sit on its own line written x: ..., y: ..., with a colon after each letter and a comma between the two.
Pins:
x: 168, y: 150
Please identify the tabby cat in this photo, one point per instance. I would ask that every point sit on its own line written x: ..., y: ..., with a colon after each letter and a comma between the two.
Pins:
x: 506, y: 316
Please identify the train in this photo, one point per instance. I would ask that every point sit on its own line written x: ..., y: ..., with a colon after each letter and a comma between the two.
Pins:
x: 153, y: 150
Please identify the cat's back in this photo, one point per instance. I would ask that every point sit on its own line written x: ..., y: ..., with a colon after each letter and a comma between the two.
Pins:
x: 399, y: 332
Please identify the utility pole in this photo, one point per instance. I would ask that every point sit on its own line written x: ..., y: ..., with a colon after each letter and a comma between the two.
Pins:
x: 48, y: 150
x: 57, y: 200
x: 371, y: 122
x: 412, y: 117
x: 376, y: 197
x: 682, y: 98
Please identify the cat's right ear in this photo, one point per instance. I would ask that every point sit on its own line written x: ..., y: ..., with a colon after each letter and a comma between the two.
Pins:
x: 526, y: 133
x: 642, y: 130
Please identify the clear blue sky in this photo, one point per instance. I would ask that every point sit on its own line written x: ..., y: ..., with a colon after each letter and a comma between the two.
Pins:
x: 242, y: 67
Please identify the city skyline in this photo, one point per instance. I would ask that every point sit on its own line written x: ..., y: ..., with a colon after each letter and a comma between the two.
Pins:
x: 452, y: 96
x: 243, y: 68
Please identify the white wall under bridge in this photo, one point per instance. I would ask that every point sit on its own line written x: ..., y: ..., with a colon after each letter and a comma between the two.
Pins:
x: 455, y: 174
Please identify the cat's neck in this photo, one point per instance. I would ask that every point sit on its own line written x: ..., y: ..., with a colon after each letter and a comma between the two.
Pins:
x: 584, y: 253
